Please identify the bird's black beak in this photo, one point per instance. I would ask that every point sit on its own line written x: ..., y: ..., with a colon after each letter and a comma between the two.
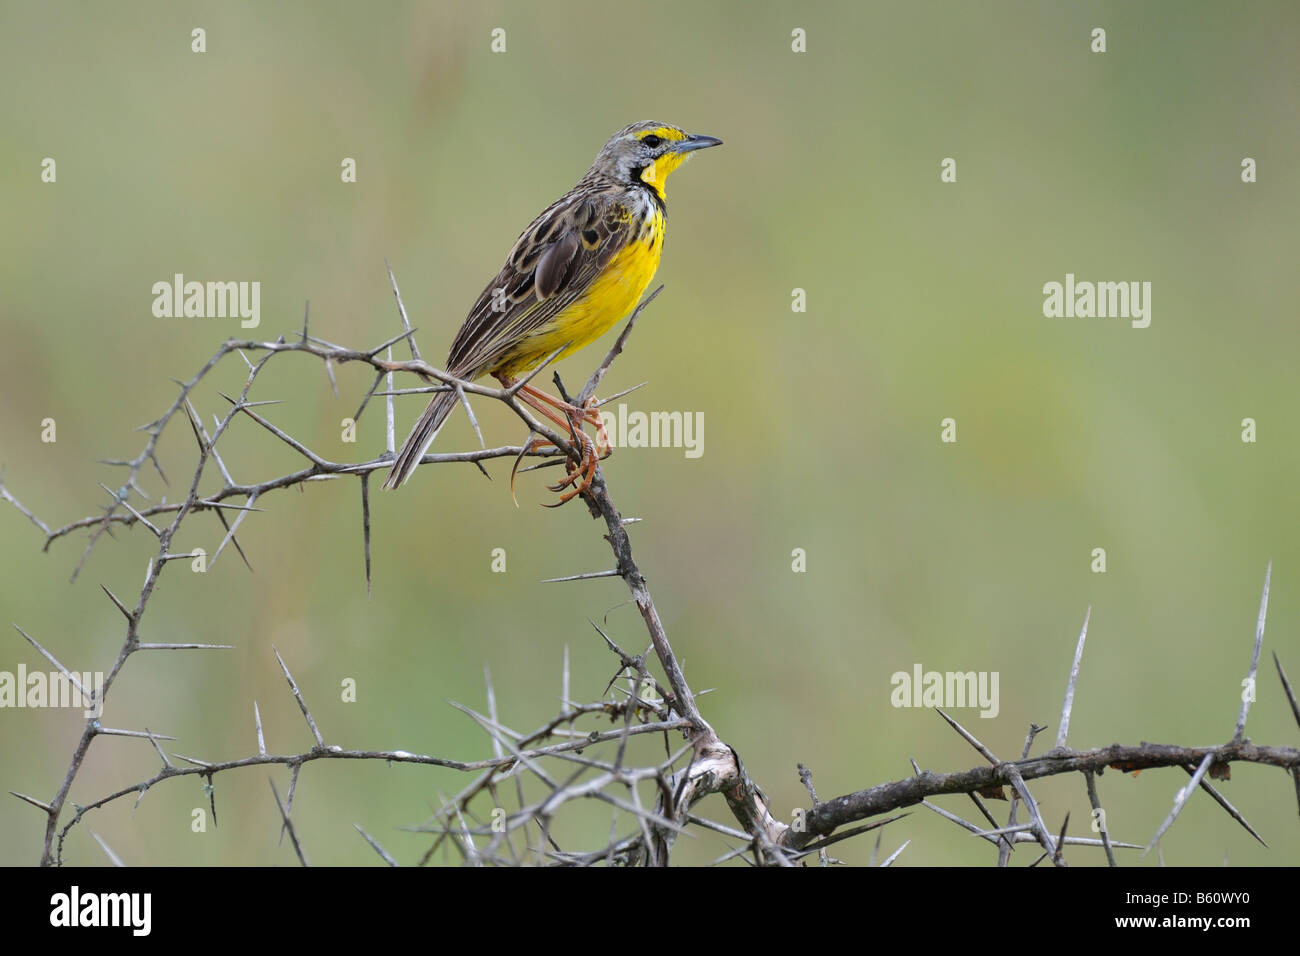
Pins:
x: 691, y: 143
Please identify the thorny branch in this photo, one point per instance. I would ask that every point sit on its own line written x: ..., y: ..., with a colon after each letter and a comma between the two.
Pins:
x: 637, y: 701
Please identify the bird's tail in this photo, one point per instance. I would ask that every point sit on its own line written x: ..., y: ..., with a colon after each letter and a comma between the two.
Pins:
x: 421, y: 437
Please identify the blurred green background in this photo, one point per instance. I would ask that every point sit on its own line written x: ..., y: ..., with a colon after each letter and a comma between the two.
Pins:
x: 924, y: 301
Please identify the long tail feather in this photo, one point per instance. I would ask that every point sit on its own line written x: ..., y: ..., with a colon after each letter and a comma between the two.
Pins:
x: 421, y: 437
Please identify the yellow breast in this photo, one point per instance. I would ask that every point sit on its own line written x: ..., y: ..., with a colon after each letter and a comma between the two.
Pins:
x: 613, y: 294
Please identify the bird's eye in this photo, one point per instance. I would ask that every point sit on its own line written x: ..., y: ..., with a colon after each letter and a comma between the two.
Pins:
x: 652, y: 141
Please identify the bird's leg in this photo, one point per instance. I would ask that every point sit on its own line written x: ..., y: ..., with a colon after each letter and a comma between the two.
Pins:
x: 602, y: 436
x: 581, y: 474
x: 589, y: 413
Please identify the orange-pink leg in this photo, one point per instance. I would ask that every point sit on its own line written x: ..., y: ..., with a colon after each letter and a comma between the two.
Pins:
x: 581, y: 474
x: 589, y: 413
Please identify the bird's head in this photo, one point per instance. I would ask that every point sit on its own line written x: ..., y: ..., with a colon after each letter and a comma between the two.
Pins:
x: 647, y: 153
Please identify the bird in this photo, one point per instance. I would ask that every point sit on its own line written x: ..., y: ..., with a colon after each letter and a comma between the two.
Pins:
x: 578, y: 268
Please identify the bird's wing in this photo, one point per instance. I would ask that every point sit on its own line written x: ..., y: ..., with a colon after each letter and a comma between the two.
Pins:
x: 551, y: 265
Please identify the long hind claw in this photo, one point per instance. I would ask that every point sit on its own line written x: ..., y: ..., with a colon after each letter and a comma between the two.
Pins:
x: 533, y: 444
